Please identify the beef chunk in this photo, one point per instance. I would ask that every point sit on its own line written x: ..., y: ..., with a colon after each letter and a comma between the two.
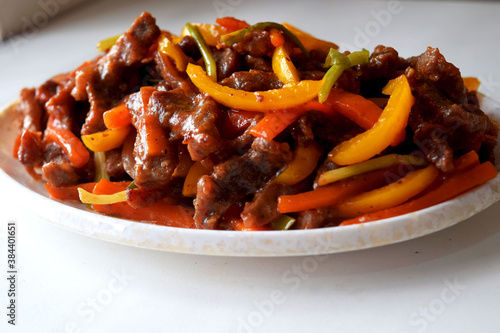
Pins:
x: 228, y: 61
x: 256, y: 43
x: 253, y: 81
x: 237, y: 178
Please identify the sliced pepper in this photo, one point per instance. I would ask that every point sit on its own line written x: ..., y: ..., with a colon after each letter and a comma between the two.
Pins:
x: 310, y: 42
x: 284, y: 222
x: 107, y: 43
x: 106, y: 140
x: 390, y: 195
x: 338, y: 63
x: 196, y: 171
x: 73, y: 147
x: 283, y: 66
x: 373, y: 164
x: 168, y: 47
x: 392, y: 121
x: 101, y: 199
x: 262, y: 101
x: 305, y: 161
x: 207, y: 55
x: 211, y: 32
x: 100, y: 168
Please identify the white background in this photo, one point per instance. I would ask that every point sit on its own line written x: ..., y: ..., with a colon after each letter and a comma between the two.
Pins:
x: 67, y: 282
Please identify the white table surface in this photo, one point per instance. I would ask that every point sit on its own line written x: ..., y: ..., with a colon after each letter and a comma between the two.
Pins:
x: 444, y: 282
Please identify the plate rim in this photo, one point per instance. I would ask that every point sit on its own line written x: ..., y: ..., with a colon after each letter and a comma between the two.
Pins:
x: 253, y: 243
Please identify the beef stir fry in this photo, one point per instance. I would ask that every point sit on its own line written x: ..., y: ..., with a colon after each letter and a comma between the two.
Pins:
x: 254, y: 127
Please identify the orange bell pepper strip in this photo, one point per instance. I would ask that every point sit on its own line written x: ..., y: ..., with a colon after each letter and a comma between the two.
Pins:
x: 471, y: 83
x: 262, y: 101
x: 391, y: 122
x: 116, y: 117
x: 68, y: 192
x: 276, y: 37
x: 304, y: 162
x: 390, y: 195
x: 455, y: 185
x: 161, y: 212
x: 275, y: 122
x: 231, y: 24
x: 106, y: 140
x: 331, y: 194
x: 73, y: 147
x: 283, y: 66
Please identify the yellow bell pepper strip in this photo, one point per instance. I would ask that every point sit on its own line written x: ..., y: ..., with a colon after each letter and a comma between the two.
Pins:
x: 392, y: 121
x: 100, y: 169
x: 196, y: 171
x: 106, y: 140
x: 284, y: 222
x: 283, y: 66
x: 310, y: 42
x: 453, y: 186
x: 101, y: 199
x: 207, y: 55
x: 303, y: 164
x: 385, y: 161
x: 107, y: 43
x: 168, y: 47
x: 471, y: 83
x: 331, y: 194
x: 390, y: 195
x: 236, y: 36
x: 261, y: 101
x: 211, y: 33
x: 338, y: 63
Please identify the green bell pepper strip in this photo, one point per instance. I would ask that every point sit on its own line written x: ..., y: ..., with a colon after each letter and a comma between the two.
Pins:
x: 207, y: 55
x: 338, y: 63
x: 236, y: 36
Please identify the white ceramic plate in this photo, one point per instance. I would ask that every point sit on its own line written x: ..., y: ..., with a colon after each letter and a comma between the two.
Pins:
x: 20, y: 186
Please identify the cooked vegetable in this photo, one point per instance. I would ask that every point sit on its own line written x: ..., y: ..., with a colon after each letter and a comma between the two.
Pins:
x: 392, y: 121
x: 262, y: 101
x: 258, y: 127
x: 369, y: 165
x: 107, y: 43
x: 452, y: 187
x: 207, y: 55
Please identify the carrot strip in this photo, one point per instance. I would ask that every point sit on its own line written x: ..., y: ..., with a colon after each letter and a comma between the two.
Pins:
x: 68, y: 192
x: 118, y: 116
x: 72, y: 146
x: 275, y: 122
x: 329, y: 195
x: 160, y: 212
x: 452, y: 187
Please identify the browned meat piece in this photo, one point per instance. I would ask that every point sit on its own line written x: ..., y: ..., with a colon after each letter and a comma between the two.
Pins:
x: 384, y: 64
x: 315, y: 218
x: 114, y: 163
x: 256, y: 43
x: 30, y: 111
x: 59, y: 173
x: 228, y: 61
x: 173, y: 78
x: 106, y: 81
x: 253, y: 81
x: 443, y: 75
x: 30, y: 152
x: 263, y: 209
x: 441, y: 126
x: 237, y: 178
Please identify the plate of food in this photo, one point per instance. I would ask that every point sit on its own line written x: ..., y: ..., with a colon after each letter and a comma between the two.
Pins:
x: 259, y: 139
